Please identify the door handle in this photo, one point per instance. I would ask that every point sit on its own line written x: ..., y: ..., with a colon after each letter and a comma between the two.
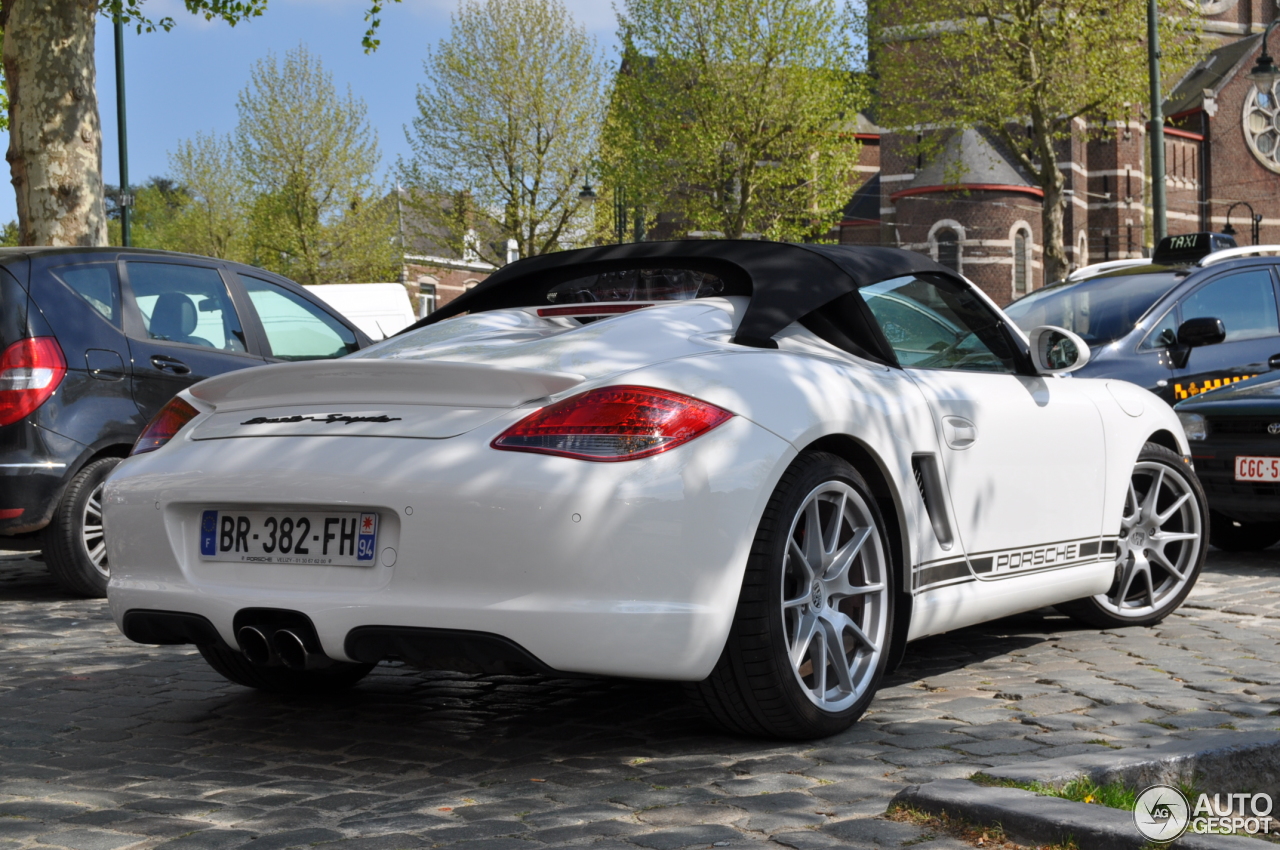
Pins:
x: 959, y: 432
x: 1274, y: 362
x: 170, y: 364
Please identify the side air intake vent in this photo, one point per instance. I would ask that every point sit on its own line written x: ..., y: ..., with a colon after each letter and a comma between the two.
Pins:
x: 925, y: 468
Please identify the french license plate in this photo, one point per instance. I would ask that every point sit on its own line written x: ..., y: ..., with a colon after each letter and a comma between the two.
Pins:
x: 289, y: 537
x: 1258, y: 468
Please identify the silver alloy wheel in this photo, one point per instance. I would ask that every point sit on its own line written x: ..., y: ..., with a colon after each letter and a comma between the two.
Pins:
x: 1161, y: 535
x: 835, y: 596
x: 91, y: 536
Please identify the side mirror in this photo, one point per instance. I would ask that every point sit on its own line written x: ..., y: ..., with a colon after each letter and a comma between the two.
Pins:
x: 1206, y: 330
x: 1057, y: 351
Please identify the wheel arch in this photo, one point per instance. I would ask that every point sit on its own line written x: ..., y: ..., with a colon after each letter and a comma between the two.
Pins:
x: 1165, y: 438
x: 873, y: 470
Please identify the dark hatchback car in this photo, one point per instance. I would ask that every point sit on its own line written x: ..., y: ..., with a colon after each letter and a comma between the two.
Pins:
x: 1235, y: 442
x: 93, y: 342
x: 1193, y: 320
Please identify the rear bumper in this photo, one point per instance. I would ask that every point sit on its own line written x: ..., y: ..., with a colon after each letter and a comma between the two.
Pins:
x: 35, y: 466
x: 622, y: 569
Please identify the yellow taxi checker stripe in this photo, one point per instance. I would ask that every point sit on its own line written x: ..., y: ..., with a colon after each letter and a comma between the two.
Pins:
x: 1192, y: 388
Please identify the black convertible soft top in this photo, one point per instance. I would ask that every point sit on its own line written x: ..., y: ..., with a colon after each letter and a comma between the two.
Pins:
x: 785, y: 280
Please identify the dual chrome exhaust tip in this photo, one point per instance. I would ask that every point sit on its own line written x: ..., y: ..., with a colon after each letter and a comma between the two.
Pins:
x: 283, y: 646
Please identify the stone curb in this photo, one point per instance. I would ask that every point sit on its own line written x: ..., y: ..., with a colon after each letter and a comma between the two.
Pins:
x: 1224, y: 762
x: 1030, y: 818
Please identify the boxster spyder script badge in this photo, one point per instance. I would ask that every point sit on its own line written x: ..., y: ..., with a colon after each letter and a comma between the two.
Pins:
x: 327, y: 419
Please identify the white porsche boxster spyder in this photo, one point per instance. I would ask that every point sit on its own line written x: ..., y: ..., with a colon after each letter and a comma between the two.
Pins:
x: 757, y: 468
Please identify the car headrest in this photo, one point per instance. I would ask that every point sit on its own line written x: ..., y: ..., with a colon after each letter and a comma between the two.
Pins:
x: 174, y: 316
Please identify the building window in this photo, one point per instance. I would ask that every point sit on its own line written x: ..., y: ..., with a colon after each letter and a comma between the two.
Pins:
x: 426, y: 299
x: 947, y: 242
x: 1021, y: 263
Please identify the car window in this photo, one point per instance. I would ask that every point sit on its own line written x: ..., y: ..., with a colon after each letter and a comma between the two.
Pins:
x: 1164, y: 334
x: 96, y: 284
x: 934, y: 323
x: 637, y: 285
x: 1100, y: 309
x: 297, y: 329
x: 186, y: 304
x: 1245, y: 302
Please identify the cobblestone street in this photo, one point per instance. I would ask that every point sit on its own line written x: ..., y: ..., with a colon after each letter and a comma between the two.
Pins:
x: 106, y: 744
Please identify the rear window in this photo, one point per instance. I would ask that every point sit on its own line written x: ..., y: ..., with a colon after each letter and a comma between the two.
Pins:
x: 1101, y: 309
x: 96, y: 284
x: 638, y: 285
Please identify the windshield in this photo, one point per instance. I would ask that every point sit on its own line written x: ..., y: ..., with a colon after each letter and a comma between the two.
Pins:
x: 1101, y: 309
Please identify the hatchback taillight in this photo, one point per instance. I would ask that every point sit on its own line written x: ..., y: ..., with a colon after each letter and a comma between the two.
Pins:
x: 30, y: 371
x: 612, y: 424
x: 164, y: 425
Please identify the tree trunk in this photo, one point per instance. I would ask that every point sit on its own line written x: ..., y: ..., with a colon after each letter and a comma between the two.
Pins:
x: 1054, y: 255
x: 55, y: 139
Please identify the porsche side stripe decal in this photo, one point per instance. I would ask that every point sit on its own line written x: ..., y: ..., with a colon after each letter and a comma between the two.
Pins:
x: 938, y: 573
x: 1007, y: 562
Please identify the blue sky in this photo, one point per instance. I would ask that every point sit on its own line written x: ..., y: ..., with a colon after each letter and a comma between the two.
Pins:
x: 186, y: 80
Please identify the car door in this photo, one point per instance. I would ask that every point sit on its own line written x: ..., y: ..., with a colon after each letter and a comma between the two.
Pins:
x: 294, y: 327
x: 1023, y: 455
x: 1245, y: 301
x: 79, y: 296
x: 183, y: 327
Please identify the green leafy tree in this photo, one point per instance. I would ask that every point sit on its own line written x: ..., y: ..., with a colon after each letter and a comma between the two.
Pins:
x: 1027, y: 71
x: 730, y: 114
x: 154, y: 215
x: 308, y: 157
x: 507, y: 127
x: 55, y: 137
x: 214, y: 219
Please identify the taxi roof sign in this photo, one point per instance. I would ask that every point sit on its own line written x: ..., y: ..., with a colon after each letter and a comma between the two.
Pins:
x: 1188, y: 248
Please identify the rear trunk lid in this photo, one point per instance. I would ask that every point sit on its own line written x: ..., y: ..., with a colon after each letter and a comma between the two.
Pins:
x: 386, y: 398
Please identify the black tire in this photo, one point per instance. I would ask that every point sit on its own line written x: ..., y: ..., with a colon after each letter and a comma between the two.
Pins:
x: 755, y: 688
x: 1233, y: 536
x: 1103, y: 611
x: 63, y: 540
x: 235, y: 667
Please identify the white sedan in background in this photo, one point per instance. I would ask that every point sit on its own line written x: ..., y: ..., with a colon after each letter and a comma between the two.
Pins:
x: 757, y: 468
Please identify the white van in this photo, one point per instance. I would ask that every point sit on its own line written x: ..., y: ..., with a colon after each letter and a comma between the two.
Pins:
x: 378, y: 309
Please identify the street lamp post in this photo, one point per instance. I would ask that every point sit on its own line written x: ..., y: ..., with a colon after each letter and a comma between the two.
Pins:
x: 1264, y: 73
x: 126, y: 198
x: 1158, y: 222
x: 1255, y: 221
x: 621, y: 217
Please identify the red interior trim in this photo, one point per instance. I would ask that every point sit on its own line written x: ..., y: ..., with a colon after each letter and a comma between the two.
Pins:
x: 967, y: 187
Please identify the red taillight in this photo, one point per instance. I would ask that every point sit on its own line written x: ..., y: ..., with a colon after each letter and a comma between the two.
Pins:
x: 164, y: 425
x: 590, y: 309
x: 613, y: 423
x: 30, y: 371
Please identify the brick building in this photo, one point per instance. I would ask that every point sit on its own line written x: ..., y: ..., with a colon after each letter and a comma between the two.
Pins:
x: 973, y: 209
x: 439, y: 280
